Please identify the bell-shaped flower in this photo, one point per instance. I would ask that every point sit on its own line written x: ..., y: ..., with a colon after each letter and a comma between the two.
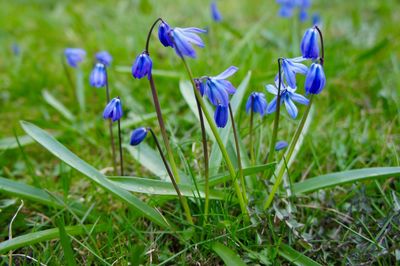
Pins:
x: 74, y: 56
x: 315, y: 79
x: 257, y: 103
x: 183, y: 40
x: 291, y: 67
x: 104, y: 57
x: 221, y: 116
x: 142, y: 66
x: 163, y: 34
x: 309, y: 44
x: 98, y: 76
x: 288, y: 96
x: 138, y: 135
x: 113, y: 110
x: 280, y: 145
x: 215, y: 14
x: 218, y: 88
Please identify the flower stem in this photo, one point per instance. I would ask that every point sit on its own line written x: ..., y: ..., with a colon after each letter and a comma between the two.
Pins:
x: 206, y: 169
x: 214, y: 130
x: 277, y: 115
x: 121, y: 159
x: 110, y: 128
x: 239, y: 160
x: 252, y: 155
x: 171, y: 175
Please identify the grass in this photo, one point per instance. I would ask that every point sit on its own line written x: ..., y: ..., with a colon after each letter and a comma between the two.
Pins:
x: 355, y: 125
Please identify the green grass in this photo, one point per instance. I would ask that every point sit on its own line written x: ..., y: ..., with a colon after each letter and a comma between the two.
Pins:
x: 355, y: 125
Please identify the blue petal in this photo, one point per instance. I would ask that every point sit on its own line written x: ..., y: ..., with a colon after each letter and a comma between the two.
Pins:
x: 271, y: 106
x: 216, y: 95
x: 227, y: 73
x: 182, y: 45
x: 221, y: 116
x: 299, y: 98
x: 138, y: 135
x: 280, y: 145
x: 272, y: 89
x: 290, y: 107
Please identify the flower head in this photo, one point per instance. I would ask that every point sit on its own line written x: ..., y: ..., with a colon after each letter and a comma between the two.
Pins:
x: 280, y: 145
x: 98, y: 77
x: 287, y: 8
x: 104, y: 57
x: 74, y: 56
x: 138, y: 135
x: 221, y: 115
x: 309, y: 44
x: 183, y: 40
x: 142, y: 66
x: 315, y: 79
x: 288, y: 95
x: 215, y: 14
x: 291, y: 67
x: 257, y: 103
x: 163, y: 34
x: 113, y: 110
x: 218, y: 88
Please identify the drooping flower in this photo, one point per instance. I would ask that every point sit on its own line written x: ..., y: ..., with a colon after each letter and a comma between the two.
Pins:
x: 113, y: 110
x: 288, y: 95
x: 315, y: 79
x: 74, y: 56
x: 183, y: 40
x: 98, y: 76
x: 257, y: 103
x: 218, y: 88
x: 215, y: 14
x: 291, y: 67
x: 280, y: 145
x: 138, y: 135
x: 104, y: 57
x: 221, y: 115
x: 309, y: 44
x: 163, y: 34
x: 142, y: 66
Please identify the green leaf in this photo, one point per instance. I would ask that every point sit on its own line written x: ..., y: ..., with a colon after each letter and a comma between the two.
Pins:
x: 13, y: 188
x: 45, y: 235
x: 227, y: 255
x: 66, y: 243
x: 158, y: 187
x: 11, y: 142
x: 340, y: 178
x: 295, y: 257
x: 60, y: 151
x: 53, y: 102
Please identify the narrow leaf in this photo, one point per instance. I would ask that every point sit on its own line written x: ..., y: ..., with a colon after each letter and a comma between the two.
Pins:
x: 295, y: 257
x: 227, y: 255
x: 56, y: 104
x: 11, y: 142
x: 66, y: 243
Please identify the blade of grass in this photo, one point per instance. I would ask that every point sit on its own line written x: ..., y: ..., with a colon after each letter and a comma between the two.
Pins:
x: 295, y: 257
x: 11, y: 142
x: 60, y: 151
x: 229, y: 257
x: 56, y: 104
x: 65, y: 243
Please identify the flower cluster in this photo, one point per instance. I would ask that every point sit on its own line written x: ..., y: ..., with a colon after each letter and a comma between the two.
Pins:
x: 287, y: 8
x: 98, y: 76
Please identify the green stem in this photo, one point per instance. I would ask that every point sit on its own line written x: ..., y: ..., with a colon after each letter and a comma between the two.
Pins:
x: 252, y: 155
x: 288, y: 155
x: 121, y: 158
x: 80, y: 90
x: 277, y: 115
x: 214, y: 130
x: 235, y: 135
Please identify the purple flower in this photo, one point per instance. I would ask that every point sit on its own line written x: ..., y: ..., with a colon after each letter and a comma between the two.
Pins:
x: 221, y: 115
x: 98, y: 77
x: 142, y: 66
x: 257, y: 103
x: 74, y: 56
x: 104, y: 57
x: 309, y: 44
x: 138, y: 135
x: 315, y: 79
x: 291, y: 67
x: 163, y: 34
x: 183, y: 40
x: 215, y: 14
x: 113, y: 110
x: 218, y: 88
x: 280, y: 145
x: 288, y: 95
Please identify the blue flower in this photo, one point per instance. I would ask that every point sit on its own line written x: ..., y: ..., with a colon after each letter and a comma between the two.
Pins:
x: 287, y: 8
x: 199, y: 85
x: 315, y: 79
x: 142, y: 66
x: 218, y: 88
x: 316, y: 19
x: 215, y: 14
x: 288, y: 95
x: 163, y: 34
x: 74, y: 56
x: 257, y: 103
x: 280, y: 145
x: 98, y: 77
x: 183, y: 40
x: 104, y: 57
x: 221, y: 115
x: 309, y: 44
x: 138, y: 135
x: 113, y: 110
x: 291, y: 67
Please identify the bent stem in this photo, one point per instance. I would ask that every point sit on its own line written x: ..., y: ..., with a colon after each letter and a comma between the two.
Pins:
x: 181, y: 199
x: 205, y: 154
x: 214, y: 130
x: 239, y: 160
x: 110, y: 128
